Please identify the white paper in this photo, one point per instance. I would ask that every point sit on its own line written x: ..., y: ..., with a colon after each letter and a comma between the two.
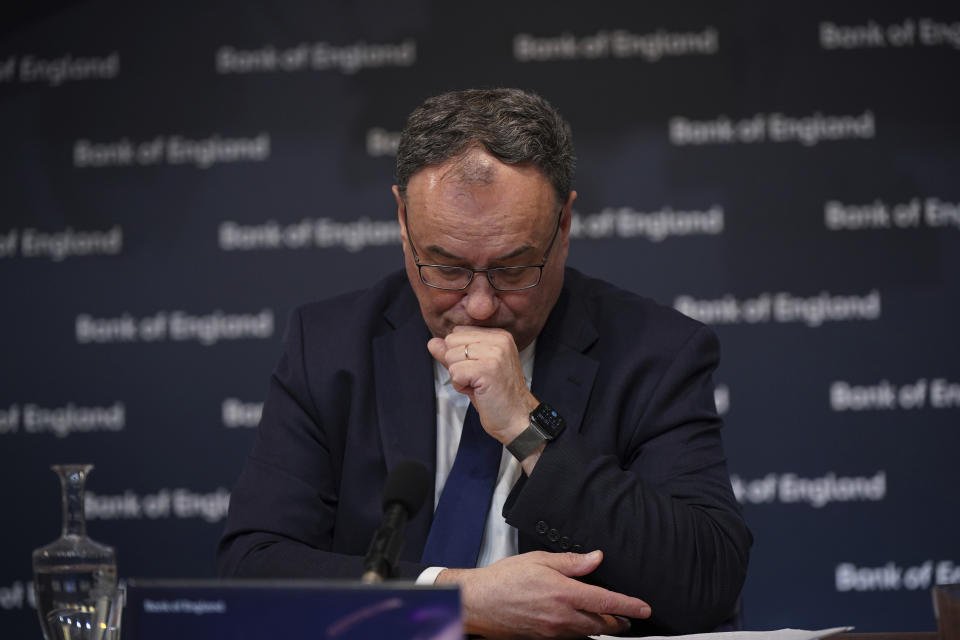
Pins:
x: 779, y: 634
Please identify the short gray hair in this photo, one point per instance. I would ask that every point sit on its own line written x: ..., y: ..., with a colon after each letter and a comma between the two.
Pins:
x: 514, y: 126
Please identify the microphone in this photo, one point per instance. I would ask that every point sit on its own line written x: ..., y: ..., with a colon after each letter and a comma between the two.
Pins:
x: 403, y: 495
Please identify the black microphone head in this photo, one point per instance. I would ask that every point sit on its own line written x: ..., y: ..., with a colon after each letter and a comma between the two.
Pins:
x: 407, y: 485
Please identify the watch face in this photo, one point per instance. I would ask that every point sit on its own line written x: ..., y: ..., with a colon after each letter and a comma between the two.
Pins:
x: 548, y: 419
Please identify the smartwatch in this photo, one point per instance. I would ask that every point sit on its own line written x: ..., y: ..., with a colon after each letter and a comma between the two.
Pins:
x: 545, y: 425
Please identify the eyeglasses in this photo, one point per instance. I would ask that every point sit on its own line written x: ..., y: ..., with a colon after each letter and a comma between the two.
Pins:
x: 441, y: 276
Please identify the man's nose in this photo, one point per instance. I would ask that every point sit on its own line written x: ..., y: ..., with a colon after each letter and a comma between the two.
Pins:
x: 481, y: 298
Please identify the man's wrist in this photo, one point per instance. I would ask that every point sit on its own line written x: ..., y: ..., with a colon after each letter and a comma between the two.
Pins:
x: 544, y: 424
x: 520, y: 422
x: 450, y: 576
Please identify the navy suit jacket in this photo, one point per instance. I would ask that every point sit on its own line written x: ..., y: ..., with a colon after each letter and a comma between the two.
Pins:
x: 639, y: 471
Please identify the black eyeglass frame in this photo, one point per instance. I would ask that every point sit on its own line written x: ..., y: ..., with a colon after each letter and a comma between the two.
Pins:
x: 474, y: 272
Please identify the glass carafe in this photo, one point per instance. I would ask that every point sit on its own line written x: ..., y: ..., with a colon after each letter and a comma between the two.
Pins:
x: 73, y: 571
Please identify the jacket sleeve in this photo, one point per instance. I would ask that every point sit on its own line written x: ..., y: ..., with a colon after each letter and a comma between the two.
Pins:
x: 283, y: 509
x: 659, y: 504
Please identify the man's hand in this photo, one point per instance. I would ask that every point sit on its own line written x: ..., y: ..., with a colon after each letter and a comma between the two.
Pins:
x: 484, y: 364
x: 534, y: 595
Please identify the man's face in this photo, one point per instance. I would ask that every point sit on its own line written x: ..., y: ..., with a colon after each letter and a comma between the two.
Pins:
x: 491, y: 215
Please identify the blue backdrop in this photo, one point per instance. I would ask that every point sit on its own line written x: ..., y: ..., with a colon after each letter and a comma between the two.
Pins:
x: 175, y: 180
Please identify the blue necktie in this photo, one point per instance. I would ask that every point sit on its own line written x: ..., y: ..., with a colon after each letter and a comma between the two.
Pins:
x: 458, y: 522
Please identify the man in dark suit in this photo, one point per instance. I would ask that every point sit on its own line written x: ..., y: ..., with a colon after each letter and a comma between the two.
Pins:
x: 617, y: 482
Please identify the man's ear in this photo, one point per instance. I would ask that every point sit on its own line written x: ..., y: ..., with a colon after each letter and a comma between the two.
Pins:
x: 401, y: 213
x: 566, y: 219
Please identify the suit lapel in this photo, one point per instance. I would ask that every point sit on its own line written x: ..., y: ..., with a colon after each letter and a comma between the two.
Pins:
x: 406, y: 401
x: 403, y: 375
x: 563, y: 375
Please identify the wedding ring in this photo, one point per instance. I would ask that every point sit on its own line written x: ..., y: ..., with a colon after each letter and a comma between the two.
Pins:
x: 466, y: 354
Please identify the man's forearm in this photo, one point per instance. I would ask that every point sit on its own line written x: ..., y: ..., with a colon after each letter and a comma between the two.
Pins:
x: 655, y: 542
x: 265, y: 555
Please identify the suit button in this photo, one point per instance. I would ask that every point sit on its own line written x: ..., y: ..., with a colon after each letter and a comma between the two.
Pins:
x: 553, y: 535
x: 564, y: 543
x: 541, y: 527
x: 577, y: 548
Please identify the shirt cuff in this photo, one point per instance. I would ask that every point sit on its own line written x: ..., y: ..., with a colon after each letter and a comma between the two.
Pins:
x: 429, y: 575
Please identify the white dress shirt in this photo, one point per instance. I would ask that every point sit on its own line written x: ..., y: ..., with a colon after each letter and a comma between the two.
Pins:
x: 499, y: 539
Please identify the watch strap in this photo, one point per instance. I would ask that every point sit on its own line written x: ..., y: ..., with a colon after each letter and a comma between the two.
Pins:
x: 527, y: 442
